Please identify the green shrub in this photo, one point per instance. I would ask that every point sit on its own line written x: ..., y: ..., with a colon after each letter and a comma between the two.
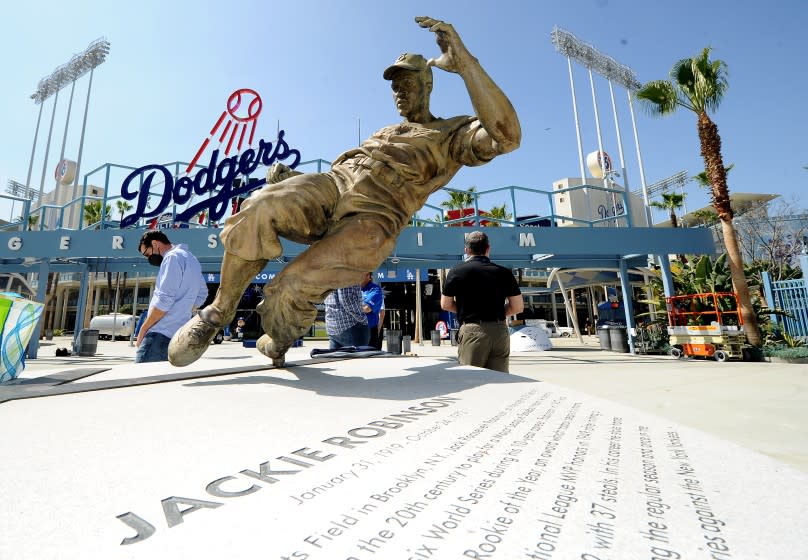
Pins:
x: 793, y: 341
x: 786, y: 353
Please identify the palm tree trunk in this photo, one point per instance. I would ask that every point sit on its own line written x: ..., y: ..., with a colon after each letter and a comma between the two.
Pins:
x: 117, y: 292
x: 109, y: 292
x: 52, y: 302
x: 710, y: 142
x: 739, y: 284
x: 50, y: 293
x: 88, y: 309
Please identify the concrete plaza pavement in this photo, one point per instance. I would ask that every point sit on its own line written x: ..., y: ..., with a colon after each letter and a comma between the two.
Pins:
x: 758, y: 406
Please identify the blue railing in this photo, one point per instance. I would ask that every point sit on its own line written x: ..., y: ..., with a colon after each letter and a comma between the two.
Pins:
x: 790, y: 296
x: 539, y: 207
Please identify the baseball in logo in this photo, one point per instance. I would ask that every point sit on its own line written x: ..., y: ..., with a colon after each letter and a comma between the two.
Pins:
x: 236, y: 121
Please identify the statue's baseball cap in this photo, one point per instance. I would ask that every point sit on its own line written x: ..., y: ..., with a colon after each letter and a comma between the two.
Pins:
x: 407, y: 61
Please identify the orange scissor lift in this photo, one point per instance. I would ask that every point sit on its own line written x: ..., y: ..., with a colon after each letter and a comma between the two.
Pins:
x: 708, y: 324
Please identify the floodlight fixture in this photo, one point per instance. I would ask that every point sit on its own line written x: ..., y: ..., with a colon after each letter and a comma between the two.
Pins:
x: 570, y: 46
x: 679, y: 179
x: 15, y: 188
x: 94, y: 55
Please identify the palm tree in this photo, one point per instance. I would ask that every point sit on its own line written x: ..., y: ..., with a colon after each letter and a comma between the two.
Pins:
x: 671, y: 202
x: 704, y: 182
x: 500, y: 213
x: 698, y: 84
x: 705, y: 217
x: 92, y: 215
x: 92, y: 212
x: 123, y: 207
x: 459, y: 200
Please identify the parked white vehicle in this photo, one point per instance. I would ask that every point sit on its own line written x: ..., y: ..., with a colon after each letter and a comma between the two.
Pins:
x: 565, y: 332
x: 118, y: 325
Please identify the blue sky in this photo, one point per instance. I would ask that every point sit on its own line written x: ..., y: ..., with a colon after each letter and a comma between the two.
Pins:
x: 318, y: 65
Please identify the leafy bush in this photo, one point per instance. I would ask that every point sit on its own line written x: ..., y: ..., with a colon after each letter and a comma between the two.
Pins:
x: 786, y: 352
x: 652, y: 335
x: 793, y: 341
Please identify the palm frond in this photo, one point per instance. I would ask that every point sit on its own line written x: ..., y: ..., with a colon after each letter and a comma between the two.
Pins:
x: 658, y: 97
x: 704, y: 182
x: 710, y: 80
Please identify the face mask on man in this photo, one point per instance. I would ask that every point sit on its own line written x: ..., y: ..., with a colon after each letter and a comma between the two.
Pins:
x: 155, y: 259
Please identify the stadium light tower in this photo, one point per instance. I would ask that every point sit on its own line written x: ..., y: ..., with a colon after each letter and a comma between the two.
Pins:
x: 79, y: 65
x: 20, y: 191
x: 679, y: 179
x: 573, y: 48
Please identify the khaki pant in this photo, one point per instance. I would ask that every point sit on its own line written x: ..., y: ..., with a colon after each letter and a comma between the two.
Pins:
x: 486, y: 345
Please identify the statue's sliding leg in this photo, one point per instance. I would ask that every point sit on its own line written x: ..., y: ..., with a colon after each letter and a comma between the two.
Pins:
x: 191, y: 341
x: 339, y: 259
x: 296, y: 208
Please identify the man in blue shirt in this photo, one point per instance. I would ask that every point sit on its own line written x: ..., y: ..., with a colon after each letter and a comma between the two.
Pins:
x: 180, y: 287
x: 373, y: 299
x: 345, y: 322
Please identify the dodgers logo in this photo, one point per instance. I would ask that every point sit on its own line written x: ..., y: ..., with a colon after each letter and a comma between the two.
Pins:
x: 234, y: 125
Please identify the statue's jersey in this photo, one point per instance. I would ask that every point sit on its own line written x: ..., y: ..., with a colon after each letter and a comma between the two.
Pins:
x: 395, y: 170
x: 383, y: 182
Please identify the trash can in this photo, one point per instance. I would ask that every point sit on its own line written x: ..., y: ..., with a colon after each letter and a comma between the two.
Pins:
x: 394, y: 342
x: 87, y: 342
x: 453, y: 336
x: 618, y: 338
x: 435, y: 338
x: 603, y: 337
x: 406, y: 344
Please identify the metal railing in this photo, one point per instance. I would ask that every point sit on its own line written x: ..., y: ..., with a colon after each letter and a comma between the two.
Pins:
x: 790, y: 296
x: 530, y: 206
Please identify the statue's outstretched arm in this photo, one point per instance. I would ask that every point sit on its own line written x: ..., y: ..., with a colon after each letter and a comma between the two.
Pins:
x: 498, y: 117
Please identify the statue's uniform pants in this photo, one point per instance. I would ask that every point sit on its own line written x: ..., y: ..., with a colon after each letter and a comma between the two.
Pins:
x: 348, y: 236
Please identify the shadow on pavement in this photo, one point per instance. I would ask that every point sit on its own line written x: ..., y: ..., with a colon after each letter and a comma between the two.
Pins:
x: 427, y: 381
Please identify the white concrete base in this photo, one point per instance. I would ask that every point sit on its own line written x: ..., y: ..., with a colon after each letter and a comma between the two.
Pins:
x: 391, y: 458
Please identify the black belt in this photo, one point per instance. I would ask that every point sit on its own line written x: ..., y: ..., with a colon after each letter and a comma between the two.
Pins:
x: 495, y: 321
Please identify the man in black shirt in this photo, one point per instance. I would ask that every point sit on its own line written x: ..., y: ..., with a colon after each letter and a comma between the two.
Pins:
x: 482, y: 294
